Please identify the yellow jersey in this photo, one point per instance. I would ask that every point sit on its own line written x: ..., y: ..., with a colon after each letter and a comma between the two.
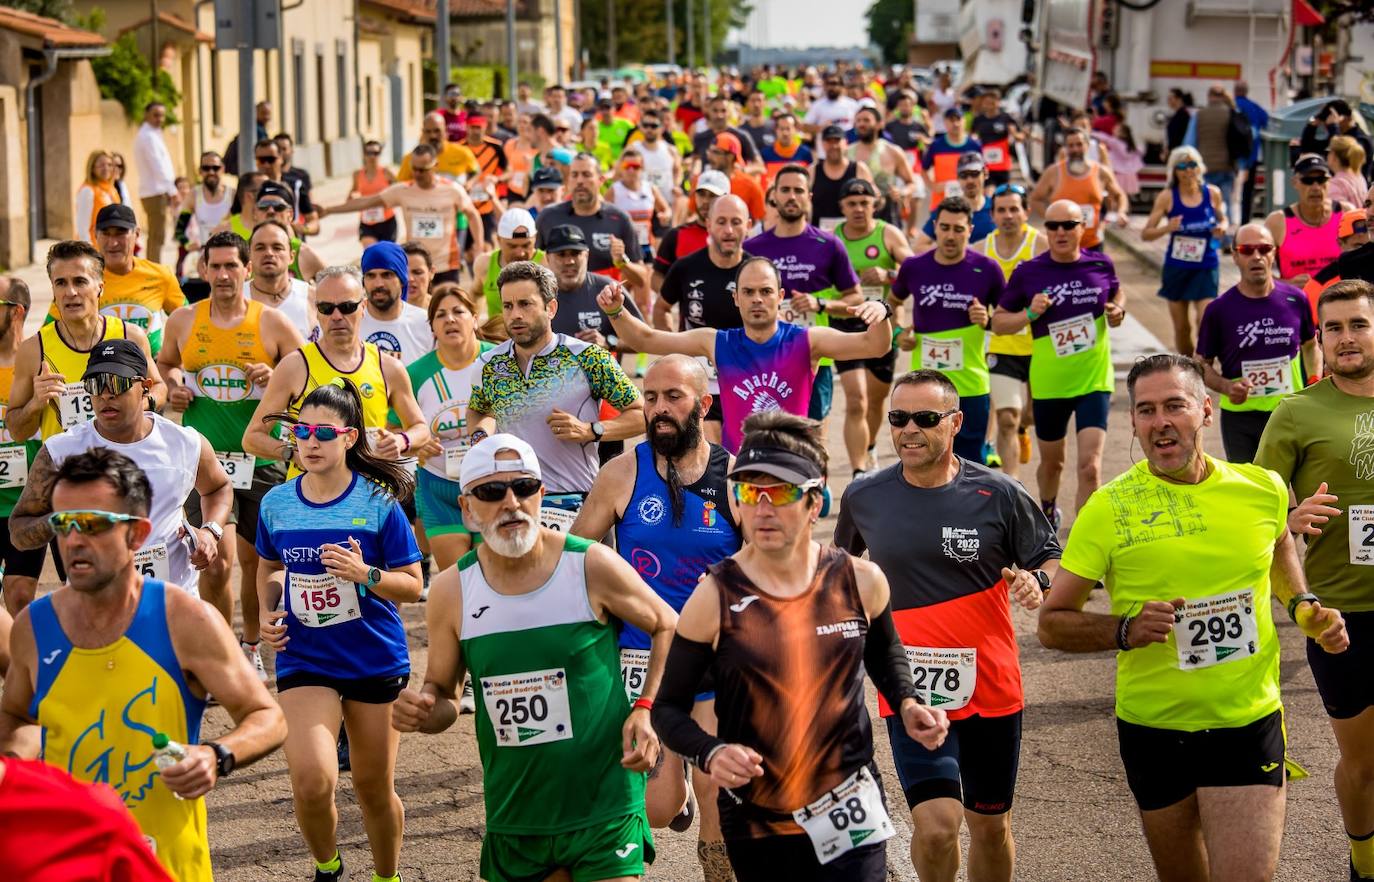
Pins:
x: 144, y: 296
x: 1020, y: 342
x: 75, y: 406
x: 367, y: 376
x: 99, y: 710
x: 454, y: 161
x: 215, y: 361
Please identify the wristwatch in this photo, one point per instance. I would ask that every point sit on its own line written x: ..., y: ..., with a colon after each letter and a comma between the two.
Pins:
x: 224, y: 758
x: 598, y: 429
x: 1043, y: 578
x: 213, y: 529
x: 612, y: 341
x: 374, y: 577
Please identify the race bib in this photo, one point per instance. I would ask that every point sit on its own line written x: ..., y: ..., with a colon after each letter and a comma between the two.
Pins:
x: 151, y: 562
x: 453, y: 458
x: 479, y: 193
x: 942, y: 353
x: 528, y: 709
x: 1268, y: 377
x: 788, y: 312
x: 75, y: 406
x: 322, y: 600
x: 874, y: 292
x: 952, y: 188
x: 14, y: 467
x: 634, y: 667
x: 646, y: 232
x: 427, y: 225
x: 1361, y: 518
x: 1215, y: 630
x: 517, y: 182
x: 944, y: 677
x: 830, y: 224
x: 559, y: 519
x: 239, y: 468
x: 1189, y: 249
x: 1089, y: 215
x: 372, y: 215
x: 1073, y: 335
x: 851, y: 815
x: 994, y: 155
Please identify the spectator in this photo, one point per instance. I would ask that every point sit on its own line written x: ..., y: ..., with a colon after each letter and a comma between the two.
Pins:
x: 1125, y: 158
x: 1346, y: 157
x: 156, y: 176
x: 1112, y: 115
x: 1181, y: 103
x: 1212, y: 133
x: 1336, y: 118
x: 1259, y: 120
x: 96, y: 192
x: 455, y: 117
x: 262, y: 115
x: 120, y: 167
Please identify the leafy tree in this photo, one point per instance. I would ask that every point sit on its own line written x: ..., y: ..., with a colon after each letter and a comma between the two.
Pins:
x: 126, y: 76
x: 890, y: 25
x: 58, y: 9
x: 641, y: 28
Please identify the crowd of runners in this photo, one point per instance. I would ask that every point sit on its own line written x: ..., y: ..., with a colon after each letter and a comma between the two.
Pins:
x: 573, y: 396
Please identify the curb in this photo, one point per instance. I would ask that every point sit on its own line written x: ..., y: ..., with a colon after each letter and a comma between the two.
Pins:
x: 1129, y: 241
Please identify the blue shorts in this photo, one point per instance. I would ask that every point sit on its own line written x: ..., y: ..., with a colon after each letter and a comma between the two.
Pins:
x: 436, y: 502
x: 976, y: 765
x: 822, y: 392
x: 1052, y: 415
x: 1188, y: 284
x: 968, y: 444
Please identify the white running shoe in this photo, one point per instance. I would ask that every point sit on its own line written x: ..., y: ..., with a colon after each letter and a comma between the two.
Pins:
x: 467, y: 702
x: 250, y: 652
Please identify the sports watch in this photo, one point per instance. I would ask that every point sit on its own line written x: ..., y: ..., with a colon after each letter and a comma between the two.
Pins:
x: 1043, y: 578
x: 213, y: 529
x: 374, y: 577
x: 224, y: 758
x: 598, y: 429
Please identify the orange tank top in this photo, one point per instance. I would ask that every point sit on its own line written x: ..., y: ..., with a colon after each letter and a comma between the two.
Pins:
x: 1088, y: 192
x: 365, y: 186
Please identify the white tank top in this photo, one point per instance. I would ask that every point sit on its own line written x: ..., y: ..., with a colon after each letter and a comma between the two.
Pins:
x: 658, y: 167
x: 169, y: 456
x: 207, y: 214
x: 639, y: 205
x: 296, y: 306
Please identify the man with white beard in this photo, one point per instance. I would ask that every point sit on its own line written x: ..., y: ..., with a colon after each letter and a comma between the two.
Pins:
x: 532, y: 613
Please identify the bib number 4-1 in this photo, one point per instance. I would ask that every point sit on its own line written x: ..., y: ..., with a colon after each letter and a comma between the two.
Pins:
x: 942, y: 353
x: 1216, y: 630
x: 847, y: 817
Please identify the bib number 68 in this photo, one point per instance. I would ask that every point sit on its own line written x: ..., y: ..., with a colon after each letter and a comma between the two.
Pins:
x: 851, y: 812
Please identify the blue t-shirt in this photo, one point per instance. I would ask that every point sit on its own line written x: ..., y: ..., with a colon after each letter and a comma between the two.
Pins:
x: 983, y: 224
x: 360, y: 634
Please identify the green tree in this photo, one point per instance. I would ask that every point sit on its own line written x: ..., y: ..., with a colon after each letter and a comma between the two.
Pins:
x: 58, y: 9
x: 641, y: 28
x: 890, y: 25
x: 126, y: 76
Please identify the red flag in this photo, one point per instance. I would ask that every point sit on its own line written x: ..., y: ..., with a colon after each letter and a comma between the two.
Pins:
x: 1305, y: 15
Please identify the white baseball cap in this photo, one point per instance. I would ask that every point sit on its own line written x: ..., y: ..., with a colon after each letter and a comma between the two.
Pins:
x: 512, y: 220
x: 713, y: 181
x: 481, y: 462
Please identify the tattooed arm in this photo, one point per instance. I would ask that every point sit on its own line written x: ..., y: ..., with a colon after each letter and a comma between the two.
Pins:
x: 29, y: 527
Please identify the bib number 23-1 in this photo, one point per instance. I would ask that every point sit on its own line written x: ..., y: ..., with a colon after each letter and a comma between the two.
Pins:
x: 847, y: 817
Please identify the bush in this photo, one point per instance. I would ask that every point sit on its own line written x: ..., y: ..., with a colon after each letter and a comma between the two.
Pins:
x: 126, y: 76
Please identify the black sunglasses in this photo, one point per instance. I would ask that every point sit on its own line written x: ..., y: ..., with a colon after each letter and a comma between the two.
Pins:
x: 971, y: 175
x: 272, y: 206
x: 348, y: 307
x: 211, y: 168
x: 924, y: 419
x: 267, y: 159
x: 1312, y: 180
x: 495, y: 491
x: 1062, y: 225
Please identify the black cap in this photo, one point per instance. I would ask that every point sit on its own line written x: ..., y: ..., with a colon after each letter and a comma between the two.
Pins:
x: 1307, y: 163
x: 831, y: 131
x: 546, y: 176
x: 116, y: 215
x: 857, y: 187
x: 275, y: 188
x: 565, y: 237
x: 605, y: 103
x: 122, y: 358
x: 775, y: 462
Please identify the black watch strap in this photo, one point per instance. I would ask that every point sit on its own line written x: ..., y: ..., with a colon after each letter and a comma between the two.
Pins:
x: 224, y: 758
x: 1043, y: 578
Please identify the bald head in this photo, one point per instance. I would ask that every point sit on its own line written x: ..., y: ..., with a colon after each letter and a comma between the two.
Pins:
x: 1064, y: 209
x: 1064, y: 230
x: 1256, y: 268
x: 727, y: 226
x: 672, y: 371
x: 730, y: 205
x: 675, y: 402
x: 1253, y: 234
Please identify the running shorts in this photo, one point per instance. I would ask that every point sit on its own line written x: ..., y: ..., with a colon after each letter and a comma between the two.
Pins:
x: 382, y: 232
x: 619, y: 847
x: 1241, y: 431
x: 28, y: 564
x: 1344, y: 680
x: 773, y: 858
x: 976, y: 765
x: 822, y: 393
x: 1166, y: 766
x: 1052, y: 415
x: 884, y: 367
x: 436, y: 502
x: 365, y: 690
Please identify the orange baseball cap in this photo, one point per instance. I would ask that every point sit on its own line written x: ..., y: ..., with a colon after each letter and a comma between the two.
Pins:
x: 1353, y: 222
x: 730, y: 144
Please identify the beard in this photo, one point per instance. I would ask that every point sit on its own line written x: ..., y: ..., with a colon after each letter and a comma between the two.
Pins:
x: 381, y: 299
x: 518, y: 545
x: 684, y: 438
x: 1363, y: 370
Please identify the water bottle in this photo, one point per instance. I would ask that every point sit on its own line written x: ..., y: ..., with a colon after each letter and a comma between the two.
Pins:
x: 167, y: 752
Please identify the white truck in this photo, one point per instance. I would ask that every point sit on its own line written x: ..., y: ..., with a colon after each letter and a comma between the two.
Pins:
x: 1147, y: 47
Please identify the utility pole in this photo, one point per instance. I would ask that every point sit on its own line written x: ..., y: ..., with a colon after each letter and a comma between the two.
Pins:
x: 153, y: 53
x: 441, y: 45
x: 512, y: 70
x: 706, y: 31
x: 558, y: 41
x: 691, y: 38
x: 672, y: 37
x: 611, y: 54
x: 248, y: 118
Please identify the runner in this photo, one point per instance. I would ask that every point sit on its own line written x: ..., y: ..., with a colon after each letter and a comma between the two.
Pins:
x: 453, y: 161
x: 691, y: 236
x: 635, y: 195
x: 514, y: 241
x: 876, y: 248
x: 421, y: 270
x: 951, y: 289
x: 972, y: 185
x: 217, y: 356
x: 1070, y: 296
x: 602, y: 223
x: 828, y: 178
x: 210, y: 204
x: 950, y: 605
x: 335, y: 548
x: 786, y: 149
x: 578, y: 314
x: 241, y: 220
x: 668, y: 504
x: 546, y: 189
x: 1009, y: 355
x: 491, y: 181
x: 794, y: 753
x: 942, y: 156
x: 1195, y: 225
x: 431, y: 206
x: 86, y: 653
x: 21, y: 569
x: 1199, y: 718
x: 997, y: 131
x: 702, y: 287
x: 1255, y: 331
x: 1306, y: 232
x: 886, y: 164
x: 136, y: 290
x: 548, y: 389
x: 274, y: 204
x: 662, y: 162
x: 175, y: 460
x: 375, y: 224
x: 397, y: 328
x: 1089, y: 185
x: 46, y: 394
x: 1318, y: 440
x: 272, y: 284
x: 768, y: 363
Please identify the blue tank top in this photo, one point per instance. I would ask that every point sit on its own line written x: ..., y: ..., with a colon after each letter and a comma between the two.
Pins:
x: 671, y: 556
x: 756, y: 377
x: 1193, y: 246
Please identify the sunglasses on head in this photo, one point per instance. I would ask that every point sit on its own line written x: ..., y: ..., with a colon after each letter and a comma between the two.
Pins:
x: 87, y: 522
x: 776, y: 494
x: 1003, y: 189
x: 495, y: 491
x: 272, y: 206
x: 211, y: 168
x: 1062, y: 225
x: 348, y: 307
x: 924, y: 419
x: 1314, y: 180
x: 1261, y: 248
x: 324, y: 433
x: 96, y: 384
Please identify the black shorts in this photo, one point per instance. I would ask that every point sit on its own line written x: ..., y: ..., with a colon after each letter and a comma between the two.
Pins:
x: 714, y: 414
x: 1241, y: 431
x: 488, y: 226
x: 1015, y: 366
x: 1343, y: 679
x: 366, y: 690
x: 794, y: 858
x: 976, y: 765
x: 382, y: 232
x: 452, y: 275
x: 1052, y: 415
x: 28, y: 564
x: 884, y: 367
x: 244, y: 511
x: 1166, y: 766
x: 998, y: 178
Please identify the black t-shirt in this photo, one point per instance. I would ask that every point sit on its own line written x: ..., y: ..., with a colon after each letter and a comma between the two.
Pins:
x: 991, y: 129
x: 298, y: 179
x: 1357, y: 264
x: 579, y: 311
x: 906, y: 135
x: 703, y: 140
x: 703, y: 292
x: 598, y: 228
x: 761, y: 135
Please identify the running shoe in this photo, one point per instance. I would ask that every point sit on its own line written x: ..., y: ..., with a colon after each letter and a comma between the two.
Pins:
x: 250, y: 652
x: 1023, y: 440
x: 424, y: 574
x: 467, y: 702
x: 1054, y: 514
x: 338, y: 875
x: 345, y: 764
x: 873, y: 456
x: 990, y: 457
x: 683, y: 822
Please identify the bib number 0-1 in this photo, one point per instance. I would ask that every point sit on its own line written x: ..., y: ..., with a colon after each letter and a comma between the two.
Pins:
x: 14, y: 466
x: 75, y: 406
x: 634, y: 667
x: 1073, y: 335
x: 847, y: 817
x: 787, y: 312
x: 528, y: 709
x: 151, y: 562
x: 320, y: 600
x: 1215, y: 630
x: 239, y: 468
x: 1361, y: 519
x: 944, y: 677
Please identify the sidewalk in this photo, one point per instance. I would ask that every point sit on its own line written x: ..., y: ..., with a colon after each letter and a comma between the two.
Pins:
x: 1152, y: 253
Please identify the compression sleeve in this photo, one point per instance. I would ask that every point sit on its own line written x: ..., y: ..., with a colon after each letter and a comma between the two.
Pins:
x: 885, y: 660
x: 688, y: 663
x: 183, y: 223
